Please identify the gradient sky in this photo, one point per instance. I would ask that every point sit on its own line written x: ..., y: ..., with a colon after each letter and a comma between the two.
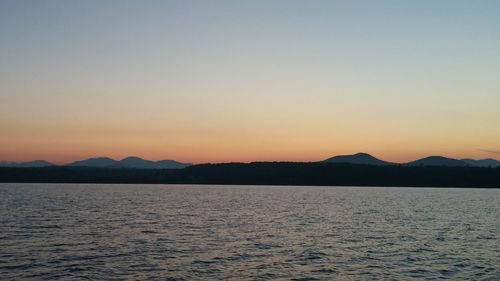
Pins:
x: 210, y: 81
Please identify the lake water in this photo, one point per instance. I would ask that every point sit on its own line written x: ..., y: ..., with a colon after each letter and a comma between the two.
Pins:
x: 183, y: 232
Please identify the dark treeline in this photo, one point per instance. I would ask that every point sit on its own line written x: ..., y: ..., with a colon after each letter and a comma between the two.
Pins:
x: 268, y: 173
x: 66, y: 174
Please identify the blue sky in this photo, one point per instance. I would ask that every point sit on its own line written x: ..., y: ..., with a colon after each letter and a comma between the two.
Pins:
x: 248, y: 80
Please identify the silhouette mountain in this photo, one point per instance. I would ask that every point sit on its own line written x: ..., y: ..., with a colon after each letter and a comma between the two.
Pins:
x: 136, y: 162
x: 102, y: 162
x: 29, y: 164
x: 129, y: 162
x: 139, y: 163
x: 438, y: 161
x: 483, y: 162
x: 358, y: 158
x: 171, y: 164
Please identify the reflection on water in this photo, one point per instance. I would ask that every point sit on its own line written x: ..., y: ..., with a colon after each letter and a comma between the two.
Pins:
x: 160, y: 232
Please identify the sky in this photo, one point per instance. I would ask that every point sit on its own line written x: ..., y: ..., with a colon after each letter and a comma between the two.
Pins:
x: 220, y: 81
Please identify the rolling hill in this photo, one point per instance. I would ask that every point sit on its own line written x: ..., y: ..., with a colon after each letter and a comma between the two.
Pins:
x: 438, y: 161
x: 358, y: 158
x: 129, y: 162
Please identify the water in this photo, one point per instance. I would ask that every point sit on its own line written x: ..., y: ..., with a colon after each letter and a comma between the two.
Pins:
x: 168, y: 232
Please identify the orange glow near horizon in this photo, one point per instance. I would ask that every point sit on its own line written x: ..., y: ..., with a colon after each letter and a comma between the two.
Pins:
x: 196, y: 81
x: 217, y: 150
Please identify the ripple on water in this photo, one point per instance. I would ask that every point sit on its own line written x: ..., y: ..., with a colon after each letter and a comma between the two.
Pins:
x: 154, y: 232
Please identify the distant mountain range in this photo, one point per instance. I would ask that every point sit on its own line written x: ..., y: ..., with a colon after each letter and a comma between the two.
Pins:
x: 359, y: 158
x: 367, y: 159
x: 105, y: 162
x: 35, y: 163
x: 483, y: 162
x: 129, y: 162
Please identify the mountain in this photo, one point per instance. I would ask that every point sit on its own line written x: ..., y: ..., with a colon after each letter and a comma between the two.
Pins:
x: 359, y: 158
x: 139, y: 163
x: 35, y: 163
x: 171, y: 164
x: 438, y: 161
x: 102, y: 162
x: 483, y: 162
x: 129, y: 162
x: 136, y: 162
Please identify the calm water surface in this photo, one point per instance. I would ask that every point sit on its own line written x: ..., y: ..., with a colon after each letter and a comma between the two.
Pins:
x: 169, y: 232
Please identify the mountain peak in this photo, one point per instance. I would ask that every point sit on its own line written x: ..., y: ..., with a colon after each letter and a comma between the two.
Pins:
x: 95, y: 162
x: 438, y: 161
x: 132, y: 158
x: 363, y: 154
x: 358, y: 158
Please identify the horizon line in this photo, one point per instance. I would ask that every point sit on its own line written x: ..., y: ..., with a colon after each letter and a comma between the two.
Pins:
x: 58, y: 163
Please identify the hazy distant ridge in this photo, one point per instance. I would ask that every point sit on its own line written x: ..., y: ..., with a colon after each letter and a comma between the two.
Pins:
x: 34, y: 164
x: 129, y: 162
x: 358, y: 159
x: 104, y: 162
x: 483, y: 162
x: 367, y: 159
x: 439, y: 161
